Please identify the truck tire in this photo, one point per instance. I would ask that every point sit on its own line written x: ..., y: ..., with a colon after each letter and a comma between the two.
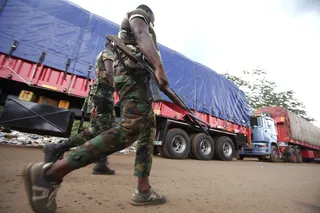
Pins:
x: 202, y: 147
x: 274, y: 156
x: 190, y: 153
x: 291, y: 154
x: 298, y: 154
x: 161, y: 151
x: 224, y: 148
x: 176, y: 144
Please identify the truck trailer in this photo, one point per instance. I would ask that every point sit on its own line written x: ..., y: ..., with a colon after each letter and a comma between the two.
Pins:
x: 48, y: 50
x: 278, y: 133
x: 47, y: 54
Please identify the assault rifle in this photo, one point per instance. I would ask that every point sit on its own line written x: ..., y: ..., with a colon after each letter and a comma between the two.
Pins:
x: 143, y: 63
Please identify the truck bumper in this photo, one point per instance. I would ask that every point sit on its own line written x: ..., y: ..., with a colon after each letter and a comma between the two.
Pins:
x: 258, y: 149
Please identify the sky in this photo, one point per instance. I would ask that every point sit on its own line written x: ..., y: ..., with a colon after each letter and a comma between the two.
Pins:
x: 280, y: 36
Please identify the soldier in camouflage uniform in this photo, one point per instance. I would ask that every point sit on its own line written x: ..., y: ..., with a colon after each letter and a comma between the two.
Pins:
x: 99, y: 103
x: 138, y: 122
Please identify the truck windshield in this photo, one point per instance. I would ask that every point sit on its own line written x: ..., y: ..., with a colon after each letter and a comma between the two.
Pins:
x: 254, y: 121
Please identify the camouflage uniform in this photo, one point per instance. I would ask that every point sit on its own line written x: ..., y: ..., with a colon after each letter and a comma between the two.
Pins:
x: 100, y: 98
x: 138, y: 121
x: 100, y: 104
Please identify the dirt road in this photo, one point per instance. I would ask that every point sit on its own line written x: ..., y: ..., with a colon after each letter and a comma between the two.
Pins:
x: 191, y: 186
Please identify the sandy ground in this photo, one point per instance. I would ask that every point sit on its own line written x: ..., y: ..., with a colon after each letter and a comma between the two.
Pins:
x: 191, y: 186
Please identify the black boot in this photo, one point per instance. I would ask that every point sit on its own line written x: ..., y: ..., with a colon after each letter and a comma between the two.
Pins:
x: 101, y: 168
x: 52, y: 152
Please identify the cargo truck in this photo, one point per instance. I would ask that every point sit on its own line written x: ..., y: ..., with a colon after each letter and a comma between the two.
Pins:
x: 278, y: 133
x: 48, y: 52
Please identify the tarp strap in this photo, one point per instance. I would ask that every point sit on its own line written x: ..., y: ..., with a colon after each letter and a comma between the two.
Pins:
x: 3, y: 5
x: 41, y: 59
x: 67, y: 67
x: 88, y: 76
x: 13, y: 48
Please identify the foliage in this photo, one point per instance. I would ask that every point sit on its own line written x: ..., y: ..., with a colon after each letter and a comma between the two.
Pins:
x: 262, y: 92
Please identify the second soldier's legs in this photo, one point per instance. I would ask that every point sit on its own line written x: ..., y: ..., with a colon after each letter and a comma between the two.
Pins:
x: 98, y: 123
x: 137, y: 121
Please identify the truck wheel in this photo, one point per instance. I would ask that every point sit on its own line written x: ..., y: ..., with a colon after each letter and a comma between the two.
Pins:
x: 291, y: 154
x: 190, y: 153
x: 274, y: 156
x: 202, y: 147
x: 224, y: 148
x: 176, y: 144
x: 161, y: 151
x: 298, y: 154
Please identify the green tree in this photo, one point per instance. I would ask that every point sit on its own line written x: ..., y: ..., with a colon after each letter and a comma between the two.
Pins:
x: 262, y: 92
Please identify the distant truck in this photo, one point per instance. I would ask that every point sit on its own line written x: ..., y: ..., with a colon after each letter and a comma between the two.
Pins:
x: 278, y: 133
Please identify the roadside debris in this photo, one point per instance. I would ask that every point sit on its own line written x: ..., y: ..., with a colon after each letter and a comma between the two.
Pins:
x: 27, y: 139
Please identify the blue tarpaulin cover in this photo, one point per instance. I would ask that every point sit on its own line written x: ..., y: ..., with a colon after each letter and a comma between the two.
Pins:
x: 65, y: 31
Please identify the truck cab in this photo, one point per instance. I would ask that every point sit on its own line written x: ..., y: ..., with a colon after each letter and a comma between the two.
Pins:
x: 264, y: 139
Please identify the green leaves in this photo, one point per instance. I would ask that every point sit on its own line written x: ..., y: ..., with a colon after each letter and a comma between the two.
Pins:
x: 262, y: 92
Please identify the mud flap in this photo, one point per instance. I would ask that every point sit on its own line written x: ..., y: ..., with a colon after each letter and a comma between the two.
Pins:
x: 36, y: 118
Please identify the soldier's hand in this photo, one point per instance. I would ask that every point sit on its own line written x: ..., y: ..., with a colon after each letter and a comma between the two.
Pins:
x: 94, y: 111
x: 161, y: 77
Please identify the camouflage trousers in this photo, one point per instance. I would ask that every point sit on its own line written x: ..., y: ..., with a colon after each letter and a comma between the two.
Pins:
x: 98, y: 123
x: 137, y: 123
x: 103, y: 120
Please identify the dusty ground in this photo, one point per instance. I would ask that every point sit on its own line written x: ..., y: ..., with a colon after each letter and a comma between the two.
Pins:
x: 191, y: 186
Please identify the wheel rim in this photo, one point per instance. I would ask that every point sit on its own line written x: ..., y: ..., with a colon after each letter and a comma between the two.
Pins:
x: 227, y: 149
x: 275, y: 154
x: 179, y: 144
x: 205, y: 147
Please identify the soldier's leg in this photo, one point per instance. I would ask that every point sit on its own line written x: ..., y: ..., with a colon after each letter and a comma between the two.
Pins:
x: 52, y: 152
x: 48, y: 177
x: 105, y: 120
x: 143, y: 162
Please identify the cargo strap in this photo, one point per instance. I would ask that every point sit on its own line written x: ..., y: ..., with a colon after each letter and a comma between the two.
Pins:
x: 3, y: 5
x: 13, y: 48
x: 88, y: 76
x: 67, y: 67
x: 41, y: 59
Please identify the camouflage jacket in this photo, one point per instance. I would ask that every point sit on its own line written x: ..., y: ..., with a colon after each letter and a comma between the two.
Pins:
x: 126, y: 34
x: 101, y: 88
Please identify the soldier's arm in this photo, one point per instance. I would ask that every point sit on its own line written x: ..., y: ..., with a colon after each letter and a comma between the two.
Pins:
x: 107, y: 57
x: 141, y: 31
x: 109, y: 70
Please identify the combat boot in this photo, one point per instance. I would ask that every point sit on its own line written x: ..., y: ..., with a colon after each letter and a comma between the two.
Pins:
x: 52, y: 152
x: 102, y: 168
